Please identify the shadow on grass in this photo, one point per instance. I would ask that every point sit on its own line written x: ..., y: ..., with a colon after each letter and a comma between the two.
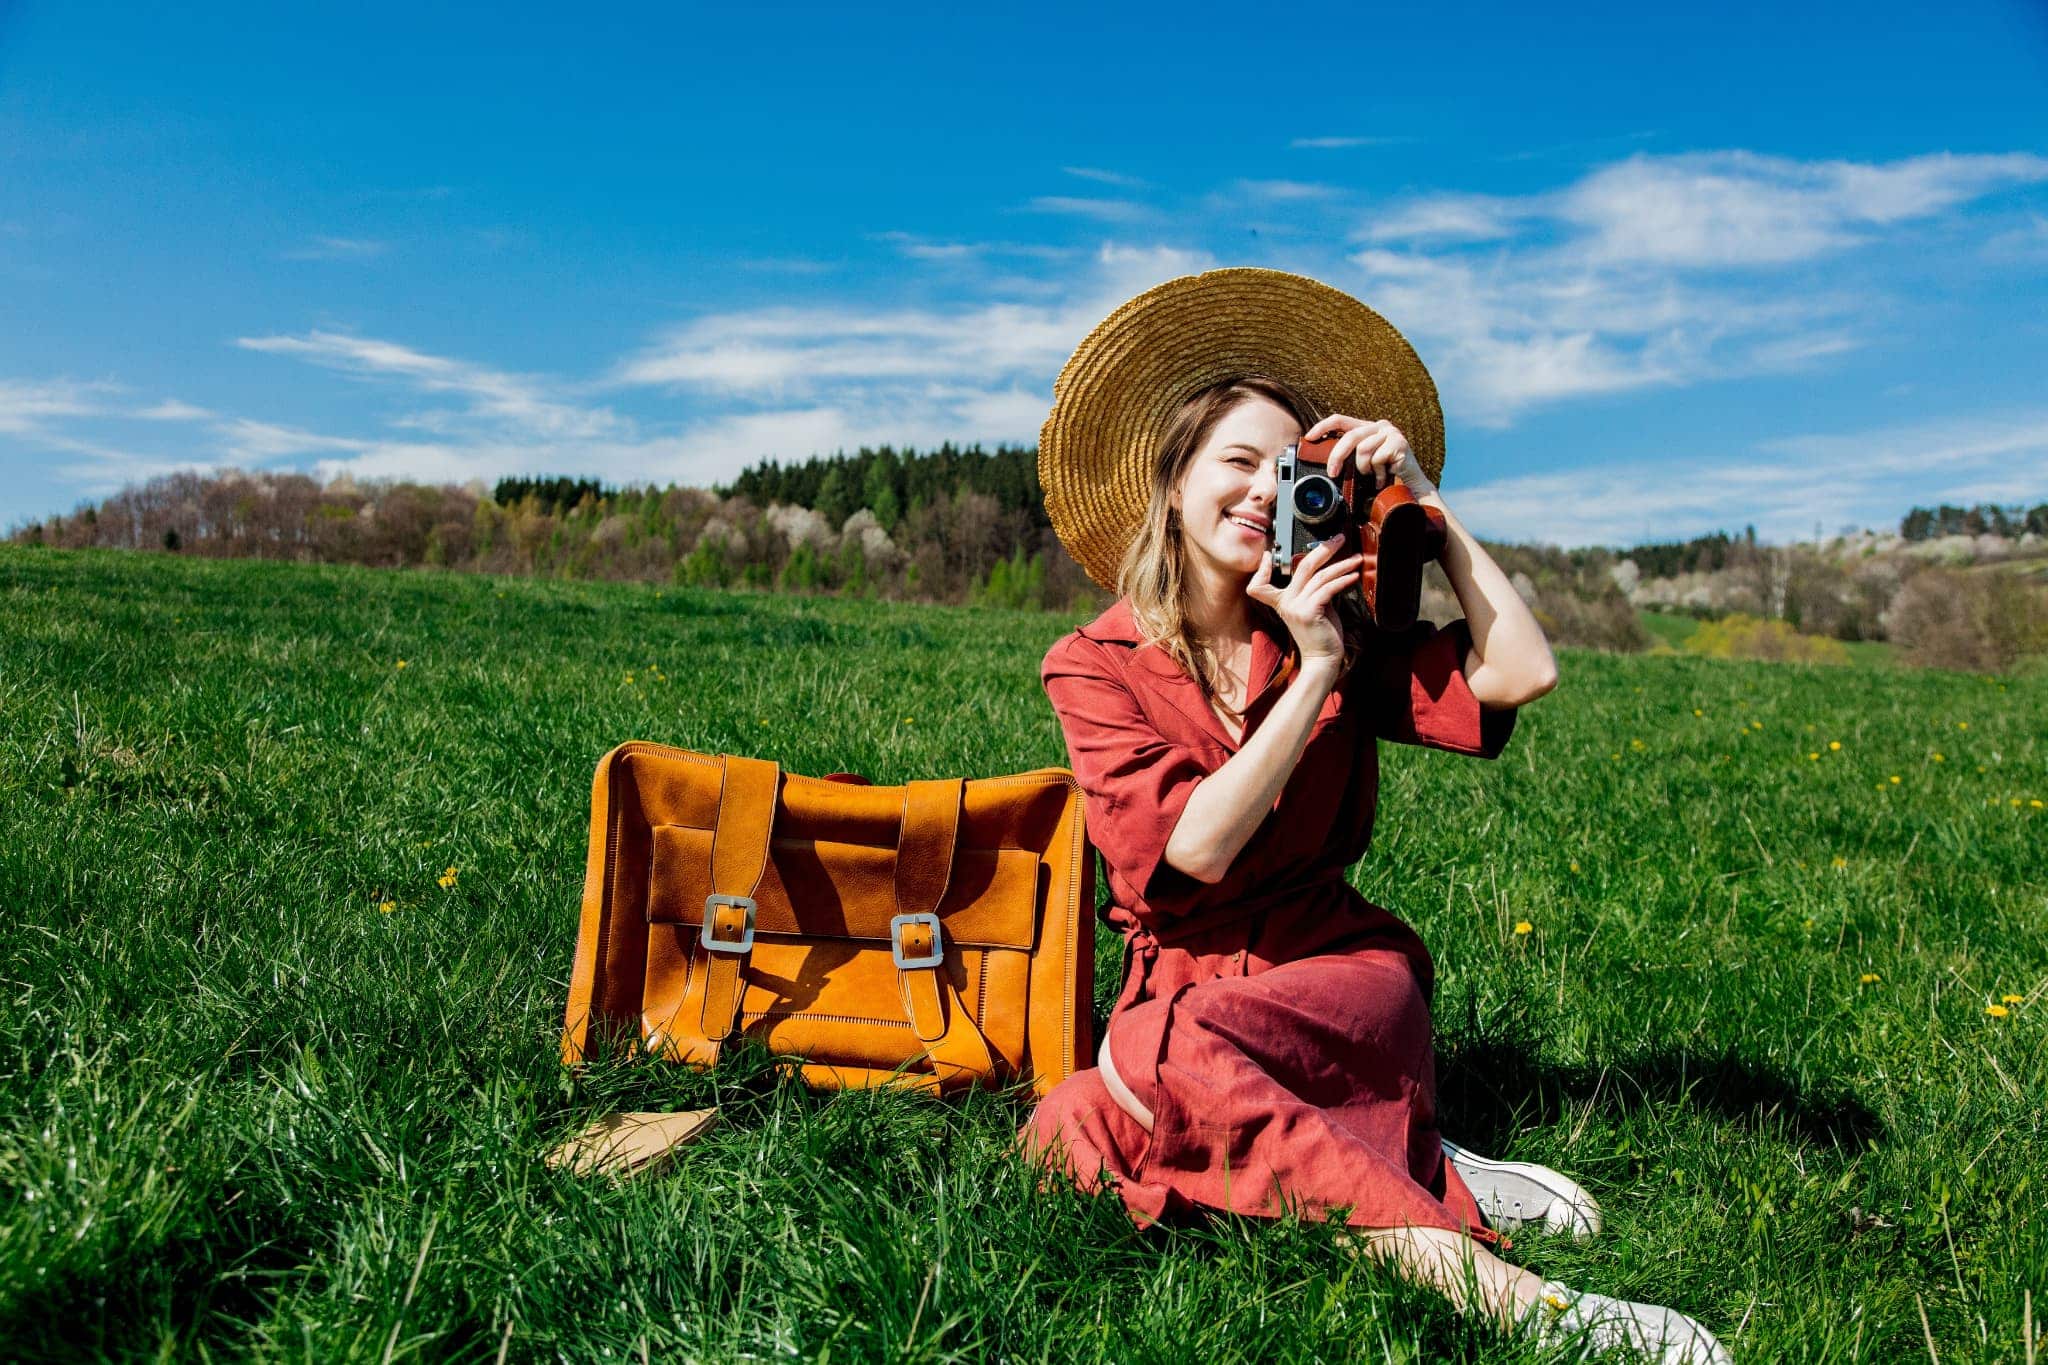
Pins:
x: 1489, y: 1091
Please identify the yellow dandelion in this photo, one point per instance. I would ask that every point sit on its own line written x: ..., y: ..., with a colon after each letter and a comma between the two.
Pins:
x: 910, y: 720
x: 1895, y: 778
x: 386, y: 907
x: 1834, y: 744
x: 1756, y: 725
x: 2011, y: 999
x: 1696, y: 711
x: 1997, y: 1011
x: 2015, y: 801
x: 2036, y: 803
x: 1868, y: 979
x: 1575, y: 867
x: 1841, y: 862
x: 1962, y: 725
x: 1523, y: 926
x: 1937, y: 758
x: 1815, y: 757
x: 1637, y: 744
x: 1615, y: 756
x: 449, y: 870
x: 401, y: 663
x: 629, y: 680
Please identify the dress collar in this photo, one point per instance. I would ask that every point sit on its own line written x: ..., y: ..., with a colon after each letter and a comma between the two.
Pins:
x: 1271, y: 665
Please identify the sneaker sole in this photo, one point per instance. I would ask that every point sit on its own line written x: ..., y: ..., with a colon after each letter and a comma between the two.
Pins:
x: 1524, y: 1192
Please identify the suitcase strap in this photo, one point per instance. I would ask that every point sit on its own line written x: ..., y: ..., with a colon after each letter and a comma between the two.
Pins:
x: 926, y: 841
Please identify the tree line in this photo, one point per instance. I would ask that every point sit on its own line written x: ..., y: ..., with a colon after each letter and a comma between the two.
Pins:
x: 955, y: 525
x: 2007, y: 523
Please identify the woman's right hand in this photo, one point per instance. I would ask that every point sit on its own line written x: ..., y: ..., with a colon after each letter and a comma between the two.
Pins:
x: 1307, y: 603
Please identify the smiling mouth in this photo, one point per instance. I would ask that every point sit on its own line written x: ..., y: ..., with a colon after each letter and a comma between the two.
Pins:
x: 1248, y: 524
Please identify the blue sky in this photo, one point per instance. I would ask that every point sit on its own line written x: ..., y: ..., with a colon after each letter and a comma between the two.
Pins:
x: 1672, y: 271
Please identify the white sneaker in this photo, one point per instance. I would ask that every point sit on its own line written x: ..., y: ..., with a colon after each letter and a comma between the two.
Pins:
x: 1518, y: 1193
x: 1602, y: 1324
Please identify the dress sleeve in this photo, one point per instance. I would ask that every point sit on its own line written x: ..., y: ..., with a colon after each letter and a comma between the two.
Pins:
x: 1419, y: 694
x: 1134, y: 782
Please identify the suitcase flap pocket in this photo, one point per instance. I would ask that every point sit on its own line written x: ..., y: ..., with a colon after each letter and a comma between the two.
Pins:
x: 849, y: 890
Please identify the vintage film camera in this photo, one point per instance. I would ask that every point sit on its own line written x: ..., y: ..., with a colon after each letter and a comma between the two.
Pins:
x: 1397, y: 534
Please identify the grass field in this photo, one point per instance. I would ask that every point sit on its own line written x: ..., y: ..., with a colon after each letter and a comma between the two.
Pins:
x: 273, y: 1090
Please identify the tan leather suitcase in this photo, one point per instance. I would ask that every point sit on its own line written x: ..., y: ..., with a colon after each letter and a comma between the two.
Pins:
x: 935, y: 935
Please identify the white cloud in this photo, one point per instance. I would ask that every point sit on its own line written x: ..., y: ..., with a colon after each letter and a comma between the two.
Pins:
x: 519, y: 400
x: 1101, y: 177
x: 1341, y: 143
x: 27, y: 404
x: 172, y: 410
x: 320, y: 248
x: 1284, y: 191
x: 786, y: 382
x: 772, y: 354
x: 1443, y: 218
x: 1721, y: 209
x: 1783, y: 487
x: 1102, y: 210
x: 1652, y: 271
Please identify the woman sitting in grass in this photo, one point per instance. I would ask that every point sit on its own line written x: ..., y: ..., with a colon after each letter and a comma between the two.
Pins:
x: 1271, y: 1048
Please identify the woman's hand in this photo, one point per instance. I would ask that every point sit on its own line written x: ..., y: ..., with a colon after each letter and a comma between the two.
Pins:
x: 1306, y: 604
x: 1377, y: 450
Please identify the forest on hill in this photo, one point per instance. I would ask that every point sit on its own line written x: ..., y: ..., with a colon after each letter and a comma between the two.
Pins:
x: 967, y: 525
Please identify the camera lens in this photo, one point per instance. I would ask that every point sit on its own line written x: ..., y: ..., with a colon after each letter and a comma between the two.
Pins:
x: 1315, y: 497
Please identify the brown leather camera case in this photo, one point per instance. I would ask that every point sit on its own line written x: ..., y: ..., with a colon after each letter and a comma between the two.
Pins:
x: 933, y: 935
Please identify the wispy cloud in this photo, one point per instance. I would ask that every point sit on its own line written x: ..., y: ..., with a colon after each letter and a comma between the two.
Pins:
x: 1102, y: 210
x: 1782, y: 487
x: 783, y: 382
x: 773, y: 353
x: 27, y: 405
x: 920, y: 248
x: 787, y: 265
x: 1443, y: 218
x: 1650, y: 272
x: 1334, y: 144
x: 1284, y: 191
x: 524, y: 402
x: 338, y: 249
x: 1102, y: 177
x: 172, y: 410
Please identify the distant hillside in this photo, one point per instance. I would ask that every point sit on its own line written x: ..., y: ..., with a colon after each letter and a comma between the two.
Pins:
x: 968, y: 525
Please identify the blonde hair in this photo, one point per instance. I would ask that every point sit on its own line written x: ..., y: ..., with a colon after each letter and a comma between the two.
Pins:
x: 1153, y: 572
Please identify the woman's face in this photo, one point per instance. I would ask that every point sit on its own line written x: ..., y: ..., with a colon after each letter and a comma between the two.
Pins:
x: 1226, y: 494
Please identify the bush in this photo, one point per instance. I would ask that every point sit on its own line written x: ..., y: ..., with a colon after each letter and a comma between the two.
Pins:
x: 1747, y: 637
x: 1984, y: 622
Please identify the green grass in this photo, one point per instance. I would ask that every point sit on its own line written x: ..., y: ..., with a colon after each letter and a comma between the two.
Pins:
x: 1673, y: 629
x: 247, y: 1115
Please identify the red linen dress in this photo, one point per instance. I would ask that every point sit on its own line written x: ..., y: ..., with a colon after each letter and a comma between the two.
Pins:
x: 1276, y: 1023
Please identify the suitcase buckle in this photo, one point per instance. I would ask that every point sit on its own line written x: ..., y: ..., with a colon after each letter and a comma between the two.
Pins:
x: 934, y: 958
x: 745, y: 942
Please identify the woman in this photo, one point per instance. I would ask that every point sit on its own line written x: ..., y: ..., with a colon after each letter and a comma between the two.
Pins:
x: 1271, y: 1048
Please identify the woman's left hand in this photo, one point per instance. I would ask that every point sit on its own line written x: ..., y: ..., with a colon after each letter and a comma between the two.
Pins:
x: 1377, y: 450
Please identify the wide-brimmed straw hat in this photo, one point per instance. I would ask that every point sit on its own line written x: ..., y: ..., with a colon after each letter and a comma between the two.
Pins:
x: 1120, y: 389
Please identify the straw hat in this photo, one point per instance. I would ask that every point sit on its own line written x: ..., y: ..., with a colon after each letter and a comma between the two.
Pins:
x: 1122, y: 385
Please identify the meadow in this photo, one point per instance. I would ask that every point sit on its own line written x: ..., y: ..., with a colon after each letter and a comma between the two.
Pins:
x: 1757, y: 952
